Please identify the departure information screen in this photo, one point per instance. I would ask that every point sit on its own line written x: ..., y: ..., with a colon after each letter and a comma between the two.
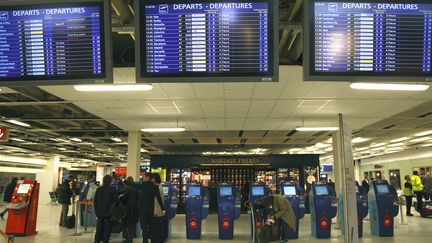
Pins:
x: 216, y: 38
x: 53, y: 42
x: 371, y: 38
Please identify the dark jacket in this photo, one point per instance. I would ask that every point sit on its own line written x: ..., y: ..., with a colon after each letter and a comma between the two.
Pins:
x: 65, y: 193
x: 365, y: 186
x: 9, y: 192
x: 148, y: 191
x: 130, y: 198
x: 104, y: 198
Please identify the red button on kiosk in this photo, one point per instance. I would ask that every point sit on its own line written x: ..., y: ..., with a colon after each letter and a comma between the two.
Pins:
x: 22, y: 214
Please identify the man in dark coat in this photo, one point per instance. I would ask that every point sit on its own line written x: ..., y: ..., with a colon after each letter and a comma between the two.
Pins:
x: 148, y: 192
x: 130, y: 198
x: 104, y: 199
x: 7, y: 198
x: 365, y: 185
x: 64, y: 198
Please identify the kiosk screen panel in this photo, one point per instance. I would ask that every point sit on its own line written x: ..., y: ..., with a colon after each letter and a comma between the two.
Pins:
x: 382, y: 188
x: 225, y: 191
x: 165, y: 190
x: 23, y: 188
x: 321, y: 190
x: 257, y: 191
x: 194, y: 191
x: 289, y: 191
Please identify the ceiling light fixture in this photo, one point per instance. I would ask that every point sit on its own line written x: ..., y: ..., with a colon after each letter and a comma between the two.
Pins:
x: 377, y: 145
x: 113, y: 88
x: 17, y: 139
x: 322, y: 145
x: 426, y: 145
x: 421, y: 134
x: 76, y: 140
x: 395, y: 145
x: 62, y: 149
x: 22, y: 124
x: 416, y: 140
x: 118, y: 140
x: 360, y: 140
x: 399, y: 140
x: 390, y: 87
x: 173, y: 129
x: 316, y: 129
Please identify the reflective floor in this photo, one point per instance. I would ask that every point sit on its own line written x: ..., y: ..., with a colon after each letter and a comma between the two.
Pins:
x: 418, y: 230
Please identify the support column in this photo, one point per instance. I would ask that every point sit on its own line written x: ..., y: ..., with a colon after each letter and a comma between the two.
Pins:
x: 48, y: 179
x: 134, y: 155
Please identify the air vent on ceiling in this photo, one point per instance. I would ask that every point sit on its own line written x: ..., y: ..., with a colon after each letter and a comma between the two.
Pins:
x: 194, y: 140
x: 241, y: 133
x: 425, y: 114
x: 388, y: 127
x: 265, y: 134
x: 243, y: 140
x: 291, y: 133
x: 286, y: 140
x: 172, y: 141
x: 219, y: 140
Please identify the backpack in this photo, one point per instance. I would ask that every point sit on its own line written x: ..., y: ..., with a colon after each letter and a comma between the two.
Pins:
x: 118, y: 211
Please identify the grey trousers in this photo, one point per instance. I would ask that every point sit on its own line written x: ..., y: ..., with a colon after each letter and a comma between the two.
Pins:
x: 64, y: 213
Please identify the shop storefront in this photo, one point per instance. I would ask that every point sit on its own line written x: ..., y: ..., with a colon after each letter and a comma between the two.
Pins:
x: 240, y: 171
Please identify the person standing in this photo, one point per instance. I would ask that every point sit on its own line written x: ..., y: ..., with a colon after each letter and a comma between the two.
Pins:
x: 7, y: 197
x: 148, y: 191
x: 408, y: 193
x: 282, y: 211
x: 428, y: 186
x: 417, y: 187
x: 157, y: 234
x: 365, y: 185
x: 104, y: 199
x: 130, y: 198
x: 64, y: 198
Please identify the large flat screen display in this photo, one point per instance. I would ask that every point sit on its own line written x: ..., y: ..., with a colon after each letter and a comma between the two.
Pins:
x: 225, y: 191
x: 368, y: 40
x: 42, y: 42
x: 206, y: 41
x: 257, y: 191
x: 321, y: 190
x: 194, y: 191
x: 23, y: 188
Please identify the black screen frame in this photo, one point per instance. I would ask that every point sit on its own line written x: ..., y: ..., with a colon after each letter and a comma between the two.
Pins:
x: 309, y: 51
x: 140, y: 57
x: 106, y: 44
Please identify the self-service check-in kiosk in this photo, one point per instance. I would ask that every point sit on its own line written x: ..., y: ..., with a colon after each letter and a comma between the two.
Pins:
x: 171, y: 200
x: 226, y: 211
x: 323, y: 207
x: 293, y: 193
x: 362, y: 211
x: 23, y: 209
x: 383, y: 208
x: 196, y: 209
x: 257, y: 191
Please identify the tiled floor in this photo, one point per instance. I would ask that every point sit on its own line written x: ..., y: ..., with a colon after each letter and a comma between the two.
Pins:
x: 418, y: 230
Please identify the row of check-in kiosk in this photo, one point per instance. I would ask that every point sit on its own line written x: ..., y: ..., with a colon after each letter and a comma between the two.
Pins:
x: 380, y: 203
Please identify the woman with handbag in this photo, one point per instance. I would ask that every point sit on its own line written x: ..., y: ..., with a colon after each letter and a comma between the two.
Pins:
x: 157, y: 232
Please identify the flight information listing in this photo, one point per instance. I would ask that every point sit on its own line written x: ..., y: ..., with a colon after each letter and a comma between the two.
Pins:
x: 207, y: 38
x: 374, y: 38
x: 50, y: 42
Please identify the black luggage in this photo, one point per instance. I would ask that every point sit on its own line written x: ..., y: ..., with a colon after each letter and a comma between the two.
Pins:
x: 70, y: 222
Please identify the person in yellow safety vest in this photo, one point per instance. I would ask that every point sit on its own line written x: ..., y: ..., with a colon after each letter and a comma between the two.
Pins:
x: 417, y: 187
x: 408, y: 193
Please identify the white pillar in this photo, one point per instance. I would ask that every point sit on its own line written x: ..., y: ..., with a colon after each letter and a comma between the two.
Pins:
x: 134, y: 155
x: 48, y: 179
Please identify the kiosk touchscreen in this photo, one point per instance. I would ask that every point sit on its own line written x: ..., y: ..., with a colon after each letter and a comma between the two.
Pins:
x: 23, y: 209
x: 226, y: 211
x: 171, y: 200
x: 362, y: 211
x: 194, y: 207
x: 257, y: 191
x: 323, y: 207
x: 293, y: 193
x: 383, y: 208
